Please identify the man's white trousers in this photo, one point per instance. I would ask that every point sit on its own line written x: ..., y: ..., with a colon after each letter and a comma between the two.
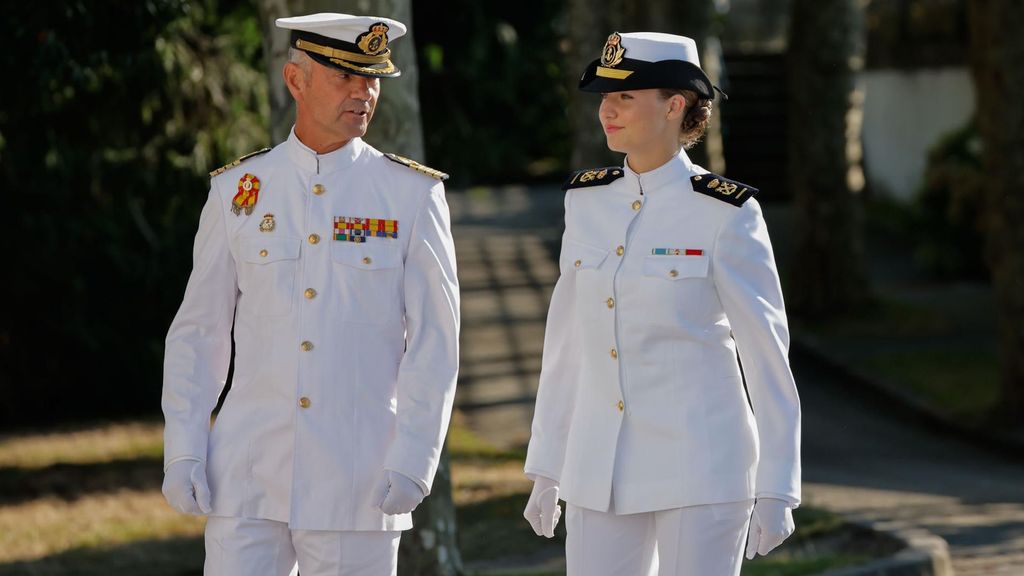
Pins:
x: 248, y: 547
x: 703, y: 540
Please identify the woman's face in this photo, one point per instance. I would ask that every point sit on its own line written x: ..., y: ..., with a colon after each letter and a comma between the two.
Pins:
x: 636, y: 122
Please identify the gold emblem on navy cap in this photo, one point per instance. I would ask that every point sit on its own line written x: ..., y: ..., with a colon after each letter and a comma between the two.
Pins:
x: 613, y: 51
x: 375, y: 41
x: 612, y: 56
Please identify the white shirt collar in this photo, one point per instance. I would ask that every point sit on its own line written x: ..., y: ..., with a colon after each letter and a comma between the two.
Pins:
x: 307, y: 159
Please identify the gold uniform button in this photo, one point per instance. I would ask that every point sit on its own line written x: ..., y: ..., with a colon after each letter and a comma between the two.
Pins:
x: 306, y: 346
x: 611, y: 302
x: 614, y: 353
x: 636, y: 204
x: 697, y: 178
x: 304, y: 402
x: 367, y: 260
x: 314, y: 238
x: 578, y: 263
x: 673, y: 273
x: 319, y: 189
x: 622, y: 405
x: 620, y: 250
x: 309, y: 293
x: 264, y: 253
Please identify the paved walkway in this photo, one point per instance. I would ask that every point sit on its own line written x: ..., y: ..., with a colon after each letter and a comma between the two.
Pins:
x: 862, y: 457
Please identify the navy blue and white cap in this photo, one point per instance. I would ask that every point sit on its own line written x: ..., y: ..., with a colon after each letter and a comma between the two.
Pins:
x: 356, y: 44
x: 641, y: 60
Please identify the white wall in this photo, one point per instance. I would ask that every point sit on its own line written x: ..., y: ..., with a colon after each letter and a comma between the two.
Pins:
x: 905, y: 112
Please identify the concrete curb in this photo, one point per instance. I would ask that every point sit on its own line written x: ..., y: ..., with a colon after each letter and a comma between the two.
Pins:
x: 923, y: 553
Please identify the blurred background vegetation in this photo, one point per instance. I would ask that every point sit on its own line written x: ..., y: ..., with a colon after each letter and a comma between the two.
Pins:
x: 118, y: 113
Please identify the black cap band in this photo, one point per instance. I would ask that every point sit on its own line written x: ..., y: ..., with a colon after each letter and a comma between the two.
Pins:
x: 630, y: 74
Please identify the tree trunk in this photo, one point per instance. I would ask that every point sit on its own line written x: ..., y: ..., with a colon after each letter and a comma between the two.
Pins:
x: 431, y: 547
x: 590, y: 24
x: 997, y: 50
x: 825, y: 49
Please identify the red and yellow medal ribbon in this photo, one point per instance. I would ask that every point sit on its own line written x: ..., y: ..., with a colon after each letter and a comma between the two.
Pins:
x: 248, y: 194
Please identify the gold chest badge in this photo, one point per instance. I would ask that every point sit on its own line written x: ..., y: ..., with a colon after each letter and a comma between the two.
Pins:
x: 267, y: 224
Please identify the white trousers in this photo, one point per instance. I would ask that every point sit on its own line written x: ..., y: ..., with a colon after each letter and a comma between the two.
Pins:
x: 251, y: 547
x: 703, y: 540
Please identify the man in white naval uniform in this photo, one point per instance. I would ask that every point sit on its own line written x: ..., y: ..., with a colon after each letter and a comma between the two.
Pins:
x: 333, y: 266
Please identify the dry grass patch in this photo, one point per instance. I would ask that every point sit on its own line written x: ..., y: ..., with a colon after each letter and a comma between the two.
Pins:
x: 97, y: 444
x: 49, y: 526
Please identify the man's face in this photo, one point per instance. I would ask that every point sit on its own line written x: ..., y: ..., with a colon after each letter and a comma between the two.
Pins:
x: 337, y: 105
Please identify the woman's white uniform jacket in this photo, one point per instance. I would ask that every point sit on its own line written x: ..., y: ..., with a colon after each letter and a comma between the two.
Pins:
x: 665, y: 276
x: 341, y: 290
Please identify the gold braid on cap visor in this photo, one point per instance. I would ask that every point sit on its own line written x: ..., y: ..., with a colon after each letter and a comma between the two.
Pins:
x: 606, y: 72
x: 344, y: 58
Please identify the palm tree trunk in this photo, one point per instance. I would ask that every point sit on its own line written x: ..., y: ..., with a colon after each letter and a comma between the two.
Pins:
x: 825, y: 172
x: 997, y: 48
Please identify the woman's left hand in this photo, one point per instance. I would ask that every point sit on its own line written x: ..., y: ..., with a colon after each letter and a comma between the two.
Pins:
x: 770, y: 524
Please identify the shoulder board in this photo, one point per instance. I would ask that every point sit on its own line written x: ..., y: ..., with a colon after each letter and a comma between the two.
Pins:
x: 721, y: 188
x: 593, y: 177
x: 417, y: 166
x: 231, y: 165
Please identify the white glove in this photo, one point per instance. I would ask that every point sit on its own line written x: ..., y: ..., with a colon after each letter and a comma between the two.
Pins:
x: 770, y: 524
x: 400, y: 493
x: 185, y: 487
x: 542, y: 509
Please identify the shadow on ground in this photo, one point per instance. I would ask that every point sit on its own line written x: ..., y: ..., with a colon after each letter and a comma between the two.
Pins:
x: 74, y: 481
x: 172, y: 557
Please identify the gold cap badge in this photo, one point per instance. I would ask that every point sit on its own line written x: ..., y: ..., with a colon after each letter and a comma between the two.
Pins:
x: 613, y: 51
x: 375, y: 41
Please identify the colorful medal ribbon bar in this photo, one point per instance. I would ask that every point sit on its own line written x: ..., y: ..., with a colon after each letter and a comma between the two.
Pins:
x: 348, y: 229
x: 677, y: 252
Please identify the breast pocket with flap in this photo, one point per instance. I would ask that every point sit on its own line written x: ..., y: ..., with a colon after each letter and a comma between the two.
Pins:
x: 267, y: 274
x: 369, y: 282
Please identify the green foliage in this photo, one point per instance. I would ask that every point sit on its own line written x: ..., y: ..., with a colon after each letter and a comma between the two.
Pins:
x: 491, y: 89
x: 946, y: 211
x: 112, y: 116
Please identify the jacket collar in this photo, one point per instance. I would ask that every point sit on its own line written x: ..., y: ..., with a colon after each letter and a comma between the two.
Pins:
x: 678, y: 168
x: 307, y: 159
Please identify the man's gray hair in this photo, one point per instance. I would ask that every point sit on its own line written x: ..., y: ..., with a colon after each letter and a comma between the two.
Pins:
x: 300, y: 59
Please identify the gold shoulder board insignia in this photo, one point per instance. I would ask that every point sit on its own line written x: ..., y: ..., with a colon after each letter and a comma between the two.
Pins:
x: 417, y: 166
x: 231, y: 165
x: 593, y: 177
x: 721, y: 188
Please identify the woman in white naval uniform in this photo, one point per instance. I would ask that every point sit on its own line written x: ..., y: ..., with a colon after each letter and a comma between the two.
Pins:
x: 643, y: 424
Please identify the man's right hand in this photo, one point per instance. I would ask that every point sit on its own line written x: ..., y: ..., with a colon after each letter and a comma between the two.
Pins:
x: 185, y: 487
x: 542, y: 510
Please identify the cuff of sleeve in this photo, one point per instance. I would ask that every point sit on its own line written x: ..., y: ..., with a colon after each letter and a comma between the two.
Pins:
x: 179, y: 459
x: 792, y: 502
x: 423, y: 487
x: 533, y: 473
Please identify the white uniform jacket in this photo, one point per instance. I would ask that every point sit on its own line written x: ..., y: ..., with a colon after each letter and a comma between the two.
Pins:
x: 641, y: 401
x: 346, y: 352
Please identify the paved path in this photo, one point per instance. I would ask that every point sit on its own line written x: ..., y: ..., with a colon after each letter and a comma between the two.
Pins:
x: 861, y: 456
